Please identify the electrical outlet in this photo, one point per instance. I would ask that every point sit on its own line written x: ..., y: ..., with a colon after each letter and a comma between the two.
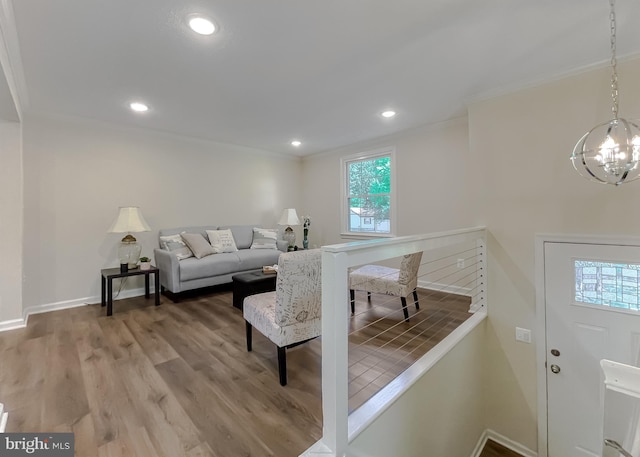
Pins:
x: 523, y: 335
x: 460, y: 263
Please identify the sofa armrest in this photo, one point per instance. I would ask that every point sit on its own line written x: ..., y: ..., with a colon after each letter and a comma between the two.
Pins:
x: 283, y: 245
x: 169, y: 267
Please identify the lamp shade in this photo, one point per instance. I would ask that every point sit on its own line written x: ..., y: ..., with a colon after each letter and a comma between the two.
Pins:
x: 129, y: 220
x: 289, y: 217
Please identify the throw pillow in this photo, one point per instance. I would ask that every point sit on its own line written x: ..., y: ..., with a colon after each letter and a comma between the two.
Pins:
x: 264, y: 239
x: 222, y: 241
x: 197, y: 244
x: 175, y: 244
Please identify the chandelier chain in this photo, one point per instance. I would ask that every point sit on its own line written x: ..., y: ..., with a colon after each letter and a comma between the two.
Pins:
x: 614, y: 61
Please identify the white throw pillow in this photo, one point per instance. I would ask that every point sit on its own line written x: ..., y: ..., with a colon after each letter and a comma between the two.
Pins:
x: 264, y: 239
x: 222, y: 241
x: 175, y: 244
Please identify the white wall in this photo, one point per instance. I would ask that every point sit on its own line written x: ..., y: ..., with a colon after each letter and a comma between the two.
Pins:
x: 10, y: 223
x: 439, y: 416
x: 521, y: 144
x: 77, y: 174
x: 433, y: 188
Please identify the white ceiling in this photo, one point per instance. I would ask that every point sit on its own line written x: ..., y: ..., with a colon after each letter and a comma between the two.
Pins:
x: 318, y: 71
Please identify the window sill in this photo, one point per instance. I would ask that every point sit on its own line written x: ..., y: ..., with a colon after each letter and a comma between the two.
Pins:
x: 364, y: 236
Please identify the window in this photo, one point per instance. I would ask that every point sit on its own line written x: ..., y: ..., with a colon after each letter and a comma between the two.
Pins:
x: 607, y: 284
x: 367, y: 198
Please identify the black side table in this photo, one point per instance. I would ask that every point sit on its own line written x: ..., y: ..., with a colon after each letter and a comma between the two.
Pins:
x: 108, y: 275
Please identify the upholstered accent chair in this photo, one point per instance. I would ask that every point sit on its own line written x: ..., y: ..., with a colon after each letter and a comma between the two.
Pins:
x: 379, y: 279
x: 291, y: 315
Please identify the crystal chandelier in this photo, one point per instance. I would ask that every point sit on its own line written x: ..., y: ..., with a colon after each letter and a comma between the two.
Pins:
x: 610, y: 152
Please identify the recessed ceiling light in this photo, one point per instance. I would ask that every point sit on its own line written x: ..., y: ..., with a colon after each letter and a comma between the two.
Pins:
x: 139, y: 107
x: 202, y: 25
x: 388, y: 114
x: 296, y: 143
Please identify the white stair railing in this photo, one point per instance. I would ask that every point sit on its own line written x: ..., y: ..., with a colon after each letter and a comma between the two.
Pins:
x: 338, y: 430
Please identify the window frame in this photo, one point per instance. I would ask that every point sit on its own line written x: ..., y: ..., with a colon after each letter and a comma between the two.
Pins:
x: 344, y: 215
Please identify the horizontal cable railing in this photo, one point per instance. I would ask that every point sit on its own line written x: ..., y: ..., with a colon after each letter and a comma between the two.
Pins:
x: 364, y: 351
x: 382, y: 344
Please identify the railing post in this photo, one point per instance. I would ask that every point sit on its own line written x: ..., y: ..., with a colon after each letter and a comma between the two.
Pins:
x: 335, y: 388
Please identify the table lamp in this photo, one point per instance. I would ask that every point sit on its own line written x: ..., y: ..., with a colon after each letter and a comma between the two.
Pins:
x: 129, y: 220
x: 289, y: 217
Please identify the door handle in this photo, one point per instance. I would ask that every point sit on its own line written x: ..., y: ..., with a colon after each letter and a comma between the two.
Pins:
x: 555, y: 369
x: 614, y: 444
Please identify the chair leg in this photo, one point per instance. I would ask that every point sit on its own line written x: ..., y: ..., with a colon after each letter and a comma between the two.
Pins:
x: 352, y: 297
x: 415, y: 299
x: 282, y: 365
x: 404, y: 308
x: 249, y: 335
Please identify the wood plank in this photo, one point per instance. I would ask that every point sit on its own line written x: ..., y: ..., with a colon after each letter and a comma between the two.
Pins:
x: 162, y: 415
x: 110, y: 405
x: 64, y: 395
x: 221, y: 427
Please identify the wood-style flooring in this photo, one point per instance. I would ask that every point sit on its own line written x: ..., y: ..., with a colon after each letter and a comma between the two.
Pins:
x: 493, y: 449
x: 382, y: 344
x: 168, y: 381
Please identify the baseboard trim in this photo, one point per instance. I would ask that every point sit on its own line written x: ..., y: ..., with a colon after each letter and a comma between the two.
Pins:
x: 492, y: 435
x: 57, y: 306
x: 48, y: 307
x: 447, y: 288
x: 12, y: 324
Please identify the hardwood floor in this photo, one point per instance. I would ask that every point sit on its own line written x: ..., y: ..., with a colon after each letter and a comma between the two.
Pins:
x: 174, y: 380
x: 493, y: 449
x: 382, y: 344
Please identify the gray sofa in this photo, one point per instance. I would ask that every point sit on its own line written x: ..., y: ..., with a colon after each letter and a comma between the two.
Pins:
x: 192, y: 273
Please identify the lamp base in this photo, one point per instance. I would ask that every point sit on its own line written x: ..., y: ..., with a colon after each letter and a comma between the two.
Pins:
x: 289, y: 236
x: 129, y: 252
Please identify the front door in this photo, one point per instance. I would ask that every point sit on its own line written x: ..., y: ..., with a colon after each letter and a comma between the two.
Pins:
x: 592, y: 313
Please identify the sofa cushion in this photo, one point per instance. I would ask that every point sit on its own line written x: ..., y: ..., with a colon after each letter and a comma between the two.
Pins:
x: 251, y: 259
x: 243, y: 234
x: 264, y: 238
x: 175, y: 244
x: 198, y: 245
x: 213, y: 265
x: 222, y: 241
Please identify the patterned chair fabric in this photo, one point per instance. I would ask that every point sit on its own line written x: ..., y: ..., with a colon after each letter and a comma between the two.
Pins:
x: 291, y: 314
x: 379, y: 279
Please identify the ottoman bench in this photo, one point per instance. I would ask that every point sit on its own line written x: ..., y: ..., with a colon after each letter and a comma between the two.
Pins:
x: 251, y: 283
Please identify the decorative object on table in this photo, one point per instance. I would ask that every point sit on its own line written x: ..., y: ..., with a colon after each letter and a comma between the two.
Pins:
x: 129, y: 220
x: 145, y: 263
x: 289, y: 217
x: 306, y: 223
x: 270, y: 269
x: 609, y: 153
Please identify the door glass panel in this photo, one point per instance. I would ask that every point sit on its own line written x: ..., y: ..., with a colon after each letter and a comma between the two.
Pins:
x: 614, y: 285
